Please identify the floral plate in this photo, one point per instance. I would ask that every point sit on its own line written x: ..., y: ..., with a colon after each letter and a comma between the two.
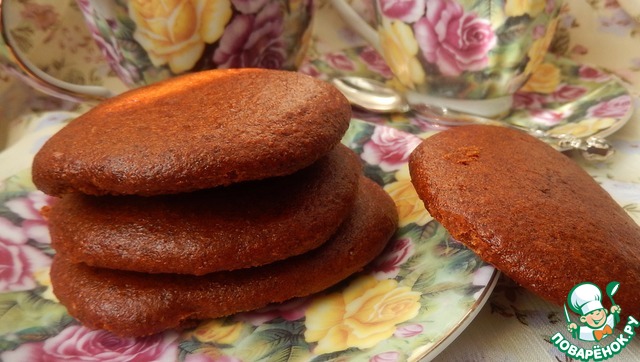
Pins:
x: 408, y: 304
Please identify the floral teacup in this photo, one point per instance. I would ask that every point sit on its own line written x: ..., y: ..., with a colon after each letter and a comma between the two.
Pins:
x: 146, y: 41
x: 43, y: 45
x: 464, y: 55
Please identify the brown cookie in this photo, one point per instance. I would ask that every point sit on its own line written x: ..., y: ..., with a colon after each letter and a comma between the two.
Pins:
x: 224, y: 228
x: 136, y: 304
x: 194, y: 132
x: 529, y: 210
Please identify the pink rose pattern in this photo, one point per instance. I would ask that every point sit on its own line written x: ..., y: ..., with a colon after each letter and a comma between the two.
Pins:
x: 18, y: 259
x: 28, y: 208
x: 388, y: 264
x: 525, y: 100
x: 454, y: 40
x: 391, y: 356
x: 375, y: 62
x: 340, y: 61
x: 389, y: 148
x: 564, y: 93
x: 312, y: 70
x: 410, y: 330
x: 205, y: 358
x: 78, y: 343
x: 539, y: 31
x: 200, y: 357
x: 254, y: 38
x: 289, y: 311
x: 548, y: 117
x: 616, y: 107
x: 568, y: 93
x: 593, y: 74
x: 24, y: 238
x: 405, y: 10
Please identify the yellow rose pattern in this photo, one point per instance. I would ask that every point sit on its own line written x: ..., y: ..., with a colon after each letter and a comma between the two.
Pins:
x: 584, y: 128
x: 219, y: 331
x: 539, y: 48
x: 42, y: 277
x: 545, y: 79
x: 410, y: 207
x: 363, y: 315
x: 146, y: 41
x: 174, y: 32
x: 400, y: 49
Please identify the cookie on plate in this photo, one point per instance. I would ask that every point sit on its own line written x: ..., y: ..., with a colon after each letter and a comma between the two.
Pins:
x: 137, y: 304
x: 194, y: 132
x: 529, y: 210
x: 223, y: 228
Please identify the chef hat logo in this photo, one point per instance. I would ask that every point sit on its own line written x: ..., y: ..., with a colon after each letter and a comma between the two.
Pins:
x: 585, y: 298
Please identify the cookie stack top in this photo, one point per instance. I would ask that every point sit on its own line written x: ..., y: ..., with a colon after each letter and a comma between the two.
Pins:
x: 195, y: 132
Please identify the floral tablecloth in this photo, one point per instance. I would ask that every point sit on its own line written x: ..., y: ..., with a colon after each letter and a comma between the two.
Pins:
x: 514, y: 325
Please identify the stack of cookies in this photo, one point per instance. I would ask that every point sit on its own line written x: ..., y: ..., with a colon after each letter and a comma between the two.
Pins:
x: 206, y: 195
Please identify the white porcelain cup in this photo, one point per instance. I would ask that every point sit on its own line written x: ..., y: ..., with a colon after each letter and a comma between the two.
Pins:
x: 467, y: 56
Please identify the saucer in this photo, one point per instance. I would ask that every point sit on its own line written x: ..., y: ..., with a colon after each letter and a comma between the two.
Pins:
x: 573, y: 99
x: 566, y: 98
x: 408, y: 304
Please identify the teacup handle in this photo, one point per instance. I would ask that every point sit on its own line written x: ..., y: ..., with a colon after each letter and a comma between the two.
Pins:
x: 41, y: 80
x: 357, y: 23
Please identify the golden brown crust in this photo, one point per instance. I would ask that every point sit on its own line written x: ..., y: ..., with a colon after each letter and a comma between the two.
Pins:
x: 194, y: 132
x: 529, y: 210
x: 224, y: 228
x: 136, y: 304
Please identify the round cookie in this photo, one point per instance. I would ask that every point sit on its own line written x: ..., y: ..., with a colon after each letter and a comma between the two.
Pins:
x: 529, y: 210
x: 137, y: 304
x: 194, y: 132
x: 224, y: 228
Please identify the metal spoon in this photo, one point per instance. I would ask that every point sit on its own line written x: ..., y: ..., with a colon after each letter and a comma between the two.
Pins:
x: 375, y: 96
